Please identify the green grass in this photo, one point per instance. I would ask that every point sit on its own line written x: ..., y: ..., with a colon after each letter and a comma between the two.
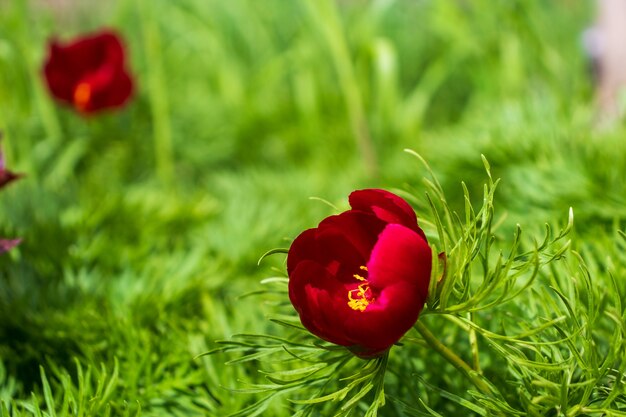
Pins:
x: 142, y: 228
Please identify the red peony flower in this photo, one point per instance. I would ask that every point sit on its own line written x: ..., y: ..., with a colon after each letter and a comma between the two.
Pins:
x: 360, y: 279
x: 89, y: 73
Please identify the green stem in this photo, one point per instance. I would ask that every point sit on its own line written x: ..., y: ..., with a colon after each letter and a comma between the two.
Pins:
x: 453, y: 358
x: 473, y: 340
x: 326, y: 17
x: 44, y: 105
x: 157, y: 94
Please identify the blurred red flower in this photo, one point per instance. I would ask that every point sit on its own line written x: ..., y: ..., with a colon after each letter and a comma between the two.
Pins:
x: 7, y: 244
x: 6, y: 176
x: 360, y: 279
x: 89, y: 72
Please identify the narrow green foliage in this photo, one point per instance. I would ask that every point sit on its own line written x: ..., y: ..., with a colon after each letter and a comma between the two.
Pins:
x: 271, y: 252
x: 85, y: 394
x: 314, y: 376
x: 470, y: 243
x: 556, y: 361
x: 142, y: 228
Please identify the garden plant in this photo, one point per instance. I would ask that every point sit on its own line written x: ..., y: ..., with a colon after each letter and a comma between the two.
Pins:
x: 307, y: 208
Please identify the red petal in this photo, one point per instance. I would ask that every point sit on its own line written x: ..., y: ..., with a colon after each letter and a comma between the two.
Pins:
x: 341, y: 243
x: 91, y: 51
x: 386, y: 206
x: 351, y: 229
x: 111, y: 86
x: 386, y: 320
x: 121, y: 89
x: 399, y: 274
x: 400, y: 255
x: 317, y: 297
x: 328, y: 248
x: 303, y: 247
x: 60, y: 78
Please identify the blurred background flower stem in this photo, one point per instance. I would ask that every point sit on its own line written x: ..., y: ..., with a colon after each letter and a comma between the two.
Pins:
x: 325, y: 17
x: 159, y: 104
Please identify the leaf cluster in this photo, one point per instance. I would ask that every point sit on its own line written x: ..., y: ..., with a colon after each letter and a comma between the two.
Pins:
x: 556, y: 361
x: 314, y: 376
x: 567, y: 356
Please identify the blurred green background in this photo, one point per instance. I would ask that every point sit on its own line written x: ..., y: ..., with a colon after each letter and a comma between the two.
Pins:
x: 142, y: 227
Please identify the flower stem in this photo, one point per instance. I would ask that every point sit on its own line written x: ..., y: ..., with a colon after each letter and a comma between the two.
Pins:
x: 24, y: 40
x: 473, y: 340
x: 326, y: 17
x: 157, y: 94
x: 453, y: 358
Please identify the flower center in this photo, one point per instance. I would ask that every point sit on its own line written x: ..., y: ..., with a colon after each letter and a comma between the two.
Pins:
x: 82, y: 95
x: 361, y: 296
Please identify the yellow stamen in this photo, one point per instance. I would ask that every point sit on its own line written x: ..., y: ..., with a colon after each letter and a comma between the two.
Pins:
x: 360, y: 303
x: 82, y: 95
x: 359, y: 277
x: 363, y: 297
